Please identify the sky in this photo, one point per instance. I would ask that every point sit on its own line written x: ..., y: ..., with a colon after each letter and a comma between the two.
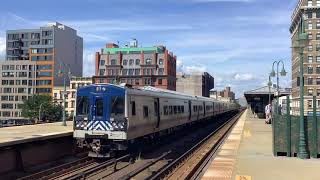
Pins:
x: 236, y: 41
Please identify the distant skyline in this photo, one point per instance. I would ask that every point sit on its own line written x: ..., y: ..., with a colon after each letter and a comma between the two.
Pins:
x: 236, y: 41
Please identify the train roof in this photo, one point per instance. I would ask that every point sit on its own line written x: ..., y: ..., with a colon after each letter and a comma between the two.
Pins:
x: 149, y: 90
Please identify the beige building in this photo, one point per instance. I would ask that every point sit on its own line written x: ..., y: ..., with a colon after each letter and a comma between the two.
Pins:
x: 75, y: 82
x: 17, y: 84
x: 225, y: 95
x: 197, y: 84
x: 311, y: 54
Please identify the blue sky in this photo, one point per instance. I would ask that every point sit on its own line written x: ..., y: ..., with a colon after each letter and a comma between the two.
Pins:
x: 234, y: 40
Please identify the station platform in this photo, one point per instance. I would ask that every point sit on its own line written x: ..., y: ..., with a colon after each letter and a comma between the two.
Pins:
x: 23, y: 134
x: 247, y: 155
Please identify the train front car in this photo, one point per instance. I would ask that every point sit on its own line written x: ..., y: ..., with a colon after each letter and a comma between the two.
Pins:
x: 100, y: 122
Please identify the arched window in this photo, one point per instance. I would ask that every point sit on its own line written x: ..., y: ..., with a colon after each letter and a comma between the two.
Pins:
x: 131, y: 61
x: 125, y: 62
x: 137, y: 61
x: 113, y: 61
x: 161, y: 61
x: 148, y: 61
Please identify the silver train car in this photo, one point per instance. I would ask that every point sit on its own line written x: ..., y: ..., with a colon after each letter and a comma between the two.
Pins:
x: 110, y: 117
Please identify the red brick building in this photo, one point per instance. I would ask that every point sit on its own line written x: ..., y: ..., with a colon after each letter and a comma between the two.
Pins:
x: 138, y: 66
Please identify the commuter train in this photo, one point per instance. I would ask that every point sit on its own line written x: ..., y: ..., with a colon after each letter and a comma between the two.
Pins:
x: 110, y: 117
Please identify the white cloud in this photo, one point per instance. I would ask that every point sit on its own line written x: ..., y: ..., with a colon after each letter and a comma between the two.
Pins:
x: 243, y: 77
x: 89, y: 62
x: 2, y: 48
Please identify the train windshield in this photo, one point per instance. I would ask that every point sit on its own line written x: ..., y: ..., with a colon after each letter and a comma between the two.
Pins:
x: 82, y: 105
x: 117, y: 106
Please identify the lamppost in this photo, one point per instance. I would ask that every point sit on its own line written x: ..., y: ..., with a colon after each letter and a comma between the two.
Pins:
x: 62, y: 73
x: 269, y: 86
x: 40, y: 109
x: 276, y: 74
x: 299, y: 45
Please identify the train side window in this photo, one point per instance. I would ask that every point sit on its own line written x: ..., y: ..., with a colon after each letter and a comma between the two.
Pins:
x: 179, y: 109
x: 145, y: 111
x: 133, y: 108
x: 175, y: 109
x: 182, y: 109
x: 165, y: 110
x: 170, y: 110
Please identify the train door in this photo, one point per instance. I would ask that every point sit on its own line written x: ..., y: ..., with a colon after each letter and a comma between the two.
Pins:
x: 189, y: 110
x: 98, y: 113
x: 213, y: 108
x: 157, y: 111
x: 204, y: 109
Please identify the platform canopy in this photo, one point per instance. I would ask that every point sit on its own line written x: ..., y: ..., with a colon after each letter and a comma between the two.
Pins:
x: 258, y: 98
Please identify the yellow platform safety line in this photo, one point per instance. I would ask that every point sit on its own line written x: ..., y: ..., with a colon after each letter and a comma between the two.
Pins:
x: 243, y: 177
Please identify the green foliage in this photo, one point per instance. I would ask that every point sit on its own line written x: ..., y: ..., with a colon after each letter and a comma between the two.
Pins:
x: 49, y: 111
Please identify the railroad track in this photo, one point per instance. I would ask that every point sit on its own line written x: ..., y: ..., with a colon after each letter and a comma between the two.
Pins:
x: 192, y: 163
x: 164, y: 162
x: 168, y: 164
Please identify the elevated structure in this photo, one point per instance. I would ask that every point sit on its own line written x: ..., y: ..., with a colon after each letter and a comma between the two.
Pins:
x: 138, y: 66
x: 197, y: 84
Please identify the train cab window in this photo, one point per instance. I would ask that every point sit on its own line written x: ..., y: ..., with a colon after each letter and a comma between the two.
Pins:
x: 82, y: 105
x: 145, y: 111
x: 133, y: 108
x: 117, y: 106
x: 165, y: 110
x: 99, y: 107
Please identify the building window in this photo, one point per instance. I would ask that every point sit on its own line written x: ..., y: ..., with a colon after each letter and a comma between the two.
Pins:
x: 161, y: 61
x: 113, y: 62
x: 318, y: 25
x: 102, y: 62
x: 310, y: 48
x: 309, y: 3
x: 318, y: 47
x: 318, y: 4
x: 318, y: 92
x: 310, y: 26
x: 310, y: 70
x: 159, y: 81
x: 138, y: 60
x: 101, y: 72
x: 309, y: 14
x: 310, y: 59
x: 310, y: 92
x: 125, y: 62
x: 310, y: 36
x: 137, y: 72
x: 131, y: 72
x: 318, y: 70
x: 125, y: 72
x: 161, y: 71
x: 318, y: 81
x: 131, y: 61
x: 137, y: 81
x: 310, y: 81
x: 148, y: 61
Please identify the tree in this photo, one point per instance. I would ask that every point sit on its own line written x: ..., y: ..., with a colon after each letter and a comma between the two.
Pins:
x: 49, y: 111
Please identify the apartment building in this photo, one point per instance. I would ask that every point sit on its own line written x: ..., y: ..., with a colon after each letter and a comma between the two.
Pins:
x: 310, y: 9
x: 138, y: 66
x: 224, y: 95
x: 197, y: 84
x: 52, y: 47
x: 17, y: 84
x: 70, y: 104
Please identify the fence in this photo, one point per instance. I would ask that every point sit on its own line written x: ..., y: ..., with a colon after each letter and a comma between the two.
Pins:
x: 286, y: 130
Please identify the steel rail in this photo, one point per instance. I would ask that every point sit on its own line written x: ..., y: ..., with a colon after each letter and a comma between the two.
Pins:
x: 166, y: 169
